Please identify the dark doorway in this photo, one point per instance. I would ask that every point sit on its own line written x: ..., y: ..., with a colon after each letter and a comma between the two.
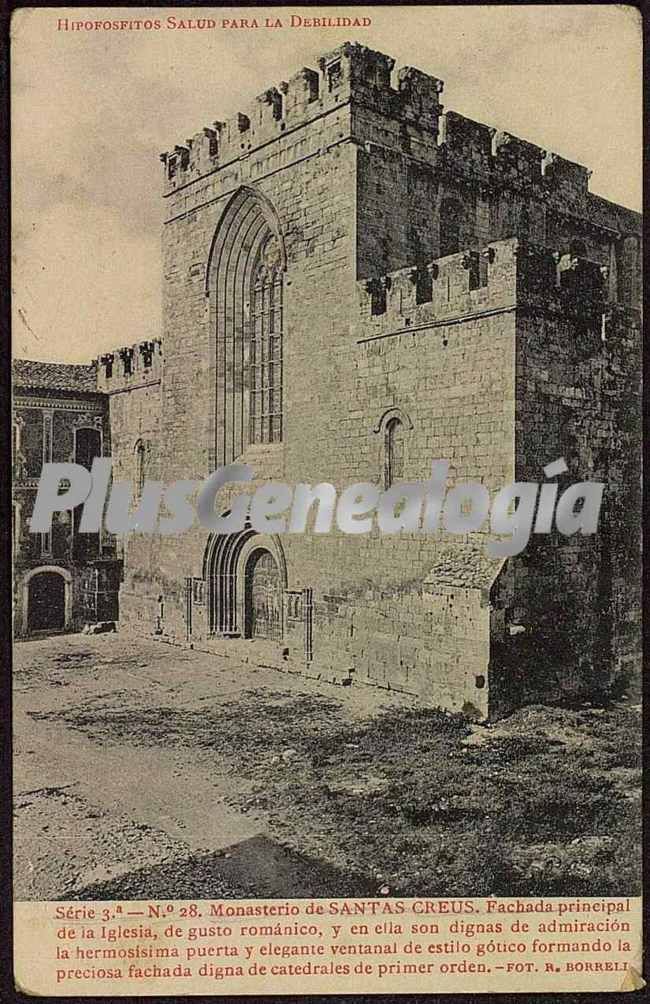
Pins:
x: 46, y: 602
x: 262, y: 597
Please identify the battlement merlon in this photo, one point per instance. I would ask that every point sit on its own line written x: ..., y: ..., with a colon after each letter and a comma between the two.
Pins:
x: 487, y: 156
x: 129, y: 367
x: 501, y: 276
x: 354, y: 84
x: 351, y: 75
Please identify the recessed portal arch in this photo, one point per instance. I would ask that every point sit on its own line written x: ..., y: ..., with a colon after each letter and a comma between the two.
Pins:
x: 246, y: 577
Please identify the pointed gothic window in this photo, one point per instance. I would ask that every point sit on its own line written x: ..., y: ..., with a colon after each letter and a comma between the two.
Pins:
x: 265, y: 358
x: 244, y: 281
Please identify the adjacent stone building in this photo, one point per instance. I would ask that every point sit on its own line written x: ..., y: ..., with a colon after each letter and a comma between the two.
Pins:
x: 62, y: 579
x: 356, y: 282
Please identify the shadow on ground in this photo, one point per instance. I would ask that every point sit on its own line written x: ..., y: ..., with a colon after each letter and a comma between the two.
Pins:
x: 256, y: 868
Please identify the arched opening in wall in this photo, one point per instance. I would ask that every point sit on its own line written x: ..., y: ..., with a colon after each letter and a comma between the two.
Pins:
x: 393, y: 451
x: 245, y: 283
x: 87, y: 446
x: 451, y: 218
x: 392, y: 428
x: 262, y: 597
x: 139, y: 453
x: 46, y: 601
x: 241, y: 601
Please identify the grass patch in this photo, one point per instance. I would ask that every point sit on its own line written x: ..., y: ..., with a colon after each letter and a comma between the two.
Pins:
x: 546, y: 803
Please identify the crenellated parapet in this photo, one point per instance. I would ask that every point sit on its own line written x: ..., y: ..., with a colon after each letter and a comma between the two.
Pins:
x: 130, y: 366
x: 495, y: 160
x: 472, y: 283
x: 448, y: 287
x: 351, y: 75
x: 360, y: 80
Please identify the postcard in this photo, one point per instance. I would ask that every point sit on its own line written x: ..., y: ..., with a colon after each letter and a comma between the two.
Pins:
x: 327, y: 499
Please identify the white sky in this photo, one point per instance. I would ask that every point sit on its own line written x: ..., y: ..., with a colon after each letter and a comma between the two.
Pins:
x: 91, y: 112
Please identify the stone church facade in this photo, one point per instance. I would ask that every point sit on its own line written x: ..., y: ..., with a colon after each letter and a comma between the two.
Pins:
x: 356, y: 282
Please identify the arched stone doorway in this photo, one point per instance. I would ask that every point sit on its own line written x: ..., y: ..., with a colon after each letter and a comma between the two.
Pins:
x: 262, y: 596
x: 47, y: 599
x: 246, y: 577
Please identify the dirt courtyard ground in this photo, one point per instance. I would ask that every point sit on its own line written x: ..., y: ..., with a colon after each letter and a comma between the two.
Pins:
x: 144, y: 770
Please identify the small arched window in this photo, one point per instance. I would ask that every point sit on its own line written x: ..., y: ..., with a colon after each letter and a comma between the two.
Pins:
x: 393, y: 451
x: 87, y: 446
x: 140, y: 469
x: 451, y: 216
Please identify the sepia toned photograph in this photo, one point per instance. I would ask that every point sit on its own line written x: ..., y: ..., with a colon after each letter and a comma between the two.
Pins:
x: 327, y: 464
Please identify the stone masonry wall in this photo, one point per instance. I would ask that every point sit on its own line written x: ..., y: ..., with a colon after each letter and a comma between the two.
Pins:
x: 357, y: 174
x: 578, y: 397
x: 132, y: 378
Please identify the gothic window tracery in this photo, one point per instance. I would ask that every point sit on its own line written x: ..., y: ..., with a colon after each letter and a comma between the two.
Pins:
x: 265, y: 358
x: 244, y: 280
